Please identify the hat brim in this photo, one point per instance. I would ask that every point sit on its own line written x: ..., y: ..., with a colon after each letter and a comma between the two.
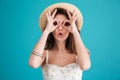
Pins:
x: 67, y: 6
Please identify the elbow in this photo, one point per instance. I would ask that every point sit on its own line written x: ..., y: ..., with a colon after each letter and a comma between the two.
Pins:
x: 33, y: 65
x: 85, y: 67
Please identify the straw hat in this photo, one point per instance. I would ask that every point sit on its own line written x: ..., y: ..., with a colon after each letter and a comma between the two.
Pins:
x: 67, y: 6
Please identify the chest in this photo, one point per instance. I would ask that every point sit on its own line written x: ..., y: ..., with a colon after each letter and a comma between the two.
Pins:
x: 61, y: 60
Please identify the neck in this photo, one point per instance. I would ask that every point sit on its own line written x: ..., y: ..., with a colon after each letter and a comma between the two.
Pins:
x: 60, y: 46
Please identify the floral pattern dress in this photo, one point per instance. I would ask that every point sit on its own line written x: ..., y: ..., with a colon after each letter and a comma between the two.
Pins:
x: 71, y: 71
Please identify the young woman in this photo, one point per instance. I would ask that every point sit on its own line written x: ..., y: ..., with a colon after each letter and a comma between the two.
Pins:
x: 60, y: 51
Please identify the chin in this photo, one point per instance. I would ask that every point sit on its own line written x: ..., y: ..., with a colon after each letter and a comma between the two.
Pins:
x: 61, y: 39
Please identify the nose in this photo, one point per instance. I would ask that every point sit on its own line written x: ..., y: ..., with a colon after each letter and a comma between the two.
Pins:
x: 60, y: 27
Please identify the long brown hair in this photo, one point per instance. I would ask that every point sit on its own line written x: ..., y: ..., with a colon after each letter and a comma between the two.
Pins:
x: 70, y: 43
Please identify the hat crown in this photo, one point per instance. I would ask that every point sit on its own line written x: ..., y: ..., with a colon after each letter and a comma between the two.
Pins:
x: 67, y: 6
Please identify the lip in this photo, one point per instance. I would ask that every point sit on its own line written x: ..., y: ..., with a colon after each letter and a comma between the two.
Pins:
x: 60, y: 35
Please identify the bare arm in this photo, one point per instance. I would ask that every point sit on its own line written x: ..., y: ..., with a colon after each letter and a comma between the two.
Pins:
x: 82, y: 52
x: 36, y: 61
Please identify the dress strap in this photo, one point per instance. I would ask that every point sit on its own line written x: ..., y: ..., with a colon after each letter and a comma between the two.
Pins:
x: 47, y: 57
x: 76, y: 58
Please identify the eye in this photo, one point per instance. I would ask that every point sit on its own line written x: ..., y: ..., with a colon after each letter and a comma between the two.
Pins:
x: 55, y: 23
x: 67, y: 24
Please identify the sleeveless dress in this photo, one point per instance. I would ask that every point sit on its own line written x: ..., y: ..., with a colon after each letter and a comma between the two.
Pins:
x: 71, y: 71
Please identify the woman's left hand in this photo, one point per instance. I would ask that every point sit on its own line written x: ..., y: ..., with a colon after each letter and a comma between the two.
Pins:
x: 70, y: 24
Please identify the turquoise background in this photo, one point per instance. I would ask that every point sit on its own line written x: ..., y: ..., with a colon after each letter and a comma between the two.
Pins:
x: 20, y: 32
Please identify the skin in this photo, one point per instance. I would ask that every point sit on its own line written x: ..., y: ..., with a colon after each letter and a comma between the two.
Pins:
x: 60, y: 29
x: 60, y: 56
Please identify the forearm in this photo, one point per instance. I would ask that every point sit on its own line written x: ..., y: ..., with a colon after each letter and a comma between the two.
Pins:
x: 82, y: 52
x: 41, y: 43
x: 35, y: 61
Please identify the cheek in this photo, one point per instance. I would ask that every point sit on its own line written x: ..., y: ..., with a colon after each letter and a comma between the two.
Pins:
x: 66, y: 34
x: 55, y: 33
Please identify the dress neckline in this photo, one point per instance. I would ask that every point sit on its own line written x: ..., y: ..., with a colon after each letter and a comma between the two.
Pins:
x: 62, y: 66
x: 49, y: 64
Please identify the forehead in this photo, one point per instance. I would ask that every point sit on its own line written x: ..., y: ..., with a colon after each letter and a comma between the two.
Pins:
x: 60, y: 17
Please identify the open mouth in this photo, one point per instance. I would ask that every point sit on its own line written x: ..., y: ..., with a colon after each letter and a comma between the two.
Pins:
x: 60, y: 33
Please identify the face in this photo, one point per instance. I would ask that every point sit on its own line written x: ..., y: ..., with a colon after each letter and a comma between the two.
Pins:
x: 60, y: 33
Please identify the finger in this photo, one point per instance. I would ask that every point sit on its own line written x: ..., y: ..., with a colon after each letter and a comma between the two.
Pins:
x: 55, y: 22
x: 65, y: 24
x: 69, y: 15
x: 74, y: 12
x: 67, y: 28
x: 66, y: 21
x: 57, y: 25
x: 76, y: 17
x: 54, y: 13
x: 49, y: 14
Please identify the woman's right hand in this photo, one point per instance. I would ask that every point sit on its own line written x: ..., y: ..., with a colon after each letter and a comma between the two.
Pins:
x: 52, y: 22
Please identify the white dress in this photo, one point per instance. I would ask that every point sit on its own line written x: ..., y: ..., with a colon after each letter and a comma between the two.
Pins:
x: 71, y: 71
